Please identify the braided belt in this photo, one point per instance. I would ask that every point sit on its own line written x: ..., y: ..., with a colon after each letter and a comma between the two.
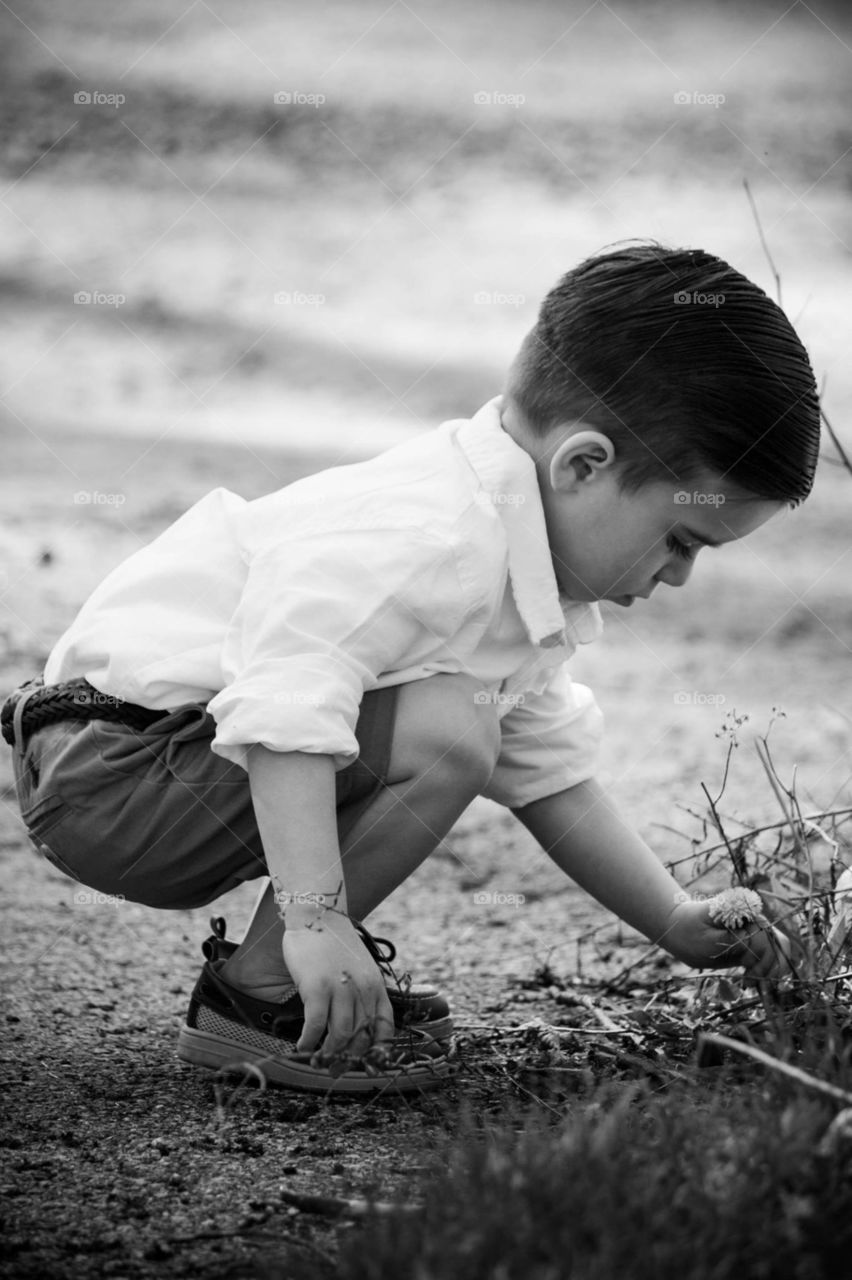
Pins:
x: 71, y: 700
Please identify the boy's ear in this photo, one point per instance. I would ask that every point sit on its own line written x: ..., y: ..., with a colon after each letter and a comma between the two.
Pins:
x: 578, y: 457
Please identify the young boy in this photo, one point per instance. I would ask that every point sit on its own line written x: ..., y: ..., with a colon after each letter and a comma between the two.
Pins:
x: 314, y: 685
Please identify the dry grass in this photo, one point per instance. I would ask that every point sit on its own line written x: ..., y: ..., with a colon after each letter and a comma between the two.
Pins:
x: 747, y: 1184
x: 640, y: 1141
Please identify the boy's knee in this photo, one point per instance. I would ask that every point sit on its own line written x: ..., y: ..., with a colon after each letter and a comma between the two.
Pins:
x: 447, y: 725
x: 476, y: 746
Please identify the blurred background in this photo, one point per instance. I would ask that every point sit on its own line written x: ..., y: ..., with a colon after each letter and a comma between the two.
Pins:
x: 243, y: 239
x: 359, y: 259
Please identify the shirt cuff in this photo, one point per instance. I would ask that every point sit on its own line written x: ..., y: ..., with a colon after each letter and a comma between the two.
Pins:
x: 304, y: 714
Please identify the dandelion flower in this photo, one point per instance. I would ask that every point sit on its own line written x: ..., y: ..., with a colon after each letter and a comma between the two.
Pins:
x: 733, y: 908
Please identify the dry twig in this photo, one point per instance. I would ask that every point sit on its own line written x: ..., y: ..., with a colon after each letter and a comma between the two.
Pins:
x: 795, y: 1073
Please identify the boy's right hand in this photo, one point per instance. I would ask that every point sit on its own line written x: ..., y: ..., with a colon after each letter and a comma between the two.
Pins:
x: 694, y: 938
x: 341, y: 987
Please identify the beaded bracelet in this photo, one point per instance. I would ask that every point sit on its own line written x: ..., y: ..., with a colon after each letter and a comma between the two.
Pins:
x: 291, y: 904
x: 309, y: 899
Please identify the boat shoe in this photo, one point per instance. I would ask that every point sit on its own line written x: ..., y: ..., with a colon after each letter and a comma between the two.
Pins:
x: 226, y: 1028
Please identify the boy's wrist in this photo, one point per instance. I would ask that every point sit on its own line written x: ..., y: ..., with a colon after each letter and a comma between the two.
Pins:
x: 309, y: 910
x: 309, y: 898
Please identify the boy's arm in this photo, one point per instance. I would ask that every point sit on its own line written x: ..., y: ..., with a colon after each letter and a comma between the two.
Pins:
x: 293, y: 794
x: 584, y: 834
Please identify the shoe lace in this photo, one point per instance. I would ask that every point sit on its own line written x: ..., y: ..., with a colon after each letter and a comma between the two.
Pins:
x: 381, y: 949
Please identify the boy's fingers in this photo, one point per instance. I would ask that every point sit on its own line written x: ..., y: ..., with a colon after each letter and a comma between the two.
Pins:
x: 384, y: 1028
x: 348, y: 1024
x: 355, y: 1030
x: 311, y: 1034
x: 733, y: 951
x: 766, y: 953
x: 383, y: 1023
x: 316, y: 1020
x: 765, y: 967
x: 343, y: 1016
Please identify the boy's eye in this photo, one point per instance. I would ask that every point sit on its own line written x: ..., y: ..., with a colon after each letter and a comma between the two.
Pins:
x: 684, y: 549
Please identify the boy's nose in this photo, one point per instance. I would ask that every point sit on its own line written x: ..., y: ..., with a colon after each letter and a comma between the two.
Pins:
x: 676, y: 572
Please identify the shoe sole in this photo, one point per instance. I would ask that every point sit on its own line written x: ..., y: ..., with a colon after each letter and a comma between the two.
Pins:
x: 217, y: 1053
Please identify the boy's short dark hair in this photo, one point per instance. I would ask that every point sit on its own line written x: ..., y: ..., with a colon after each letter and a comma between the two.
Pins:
x: 683, y: 362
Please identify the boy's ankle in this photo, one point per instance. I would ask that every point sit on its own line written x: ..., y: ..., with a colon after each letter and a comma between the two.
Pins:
x: 258, y: 981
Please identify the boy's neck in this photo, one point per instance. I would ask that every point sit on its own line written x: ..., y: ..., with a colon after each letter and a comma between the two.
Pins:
x: 538, y: 447
x: 513, y: 424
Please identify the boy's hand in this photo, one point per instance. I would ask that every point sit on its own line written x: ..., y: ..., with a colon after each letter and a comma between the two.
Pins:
x: 341, y: 987
x: 693, y: 938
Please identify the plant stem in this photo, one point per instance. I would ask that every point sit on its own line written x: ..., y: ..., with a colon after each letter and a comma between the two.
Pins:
x: 795, y: 1073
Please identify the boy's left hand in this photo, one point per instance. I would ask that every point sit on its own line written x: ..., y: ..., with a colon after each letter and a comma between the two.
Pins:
x: 692, y: 937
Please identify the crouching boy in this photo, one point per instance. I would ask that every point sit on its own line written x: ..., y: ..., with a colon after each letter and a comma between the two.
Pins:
x: 311, y: 687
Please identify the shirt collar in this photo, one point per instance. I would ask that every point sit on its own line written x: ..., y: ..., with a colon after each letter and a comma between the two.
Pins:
x: 510, y: 486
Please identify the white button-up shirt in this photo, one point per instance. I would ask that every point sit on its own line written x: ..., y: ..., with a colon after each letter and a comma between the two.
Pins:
x: 281, y: 612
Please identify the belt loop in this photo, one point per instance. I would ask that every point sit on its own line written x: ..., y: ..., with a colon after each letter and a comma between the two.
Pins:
x: 19, y: 745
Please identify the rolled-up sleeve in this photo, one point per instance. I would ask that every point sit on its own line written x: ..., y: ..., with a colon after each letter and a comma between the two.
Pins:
x: 319, y: 620
x: 550, y: 741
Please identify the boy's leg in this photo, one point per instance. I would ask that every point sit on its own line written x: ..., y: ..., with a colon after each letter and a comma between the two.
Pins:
x: 445, y: 746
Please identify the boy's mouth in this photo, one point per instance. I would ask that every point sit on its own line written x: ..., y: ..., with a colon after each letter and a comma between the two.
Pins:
x: 626, y: 601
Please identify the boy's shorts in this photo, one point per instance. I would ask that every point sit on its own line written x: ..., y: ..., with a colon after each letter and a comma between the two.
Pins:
x: 155, y: 816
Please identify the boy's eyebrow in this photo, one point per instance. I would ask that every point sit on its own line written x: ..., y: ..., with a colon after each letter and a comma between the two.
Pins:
x: 700, y: 537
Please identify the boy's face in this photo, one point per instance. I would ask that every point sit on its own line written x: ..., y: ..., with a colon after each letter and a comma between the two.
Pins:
x: 611, y: 545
